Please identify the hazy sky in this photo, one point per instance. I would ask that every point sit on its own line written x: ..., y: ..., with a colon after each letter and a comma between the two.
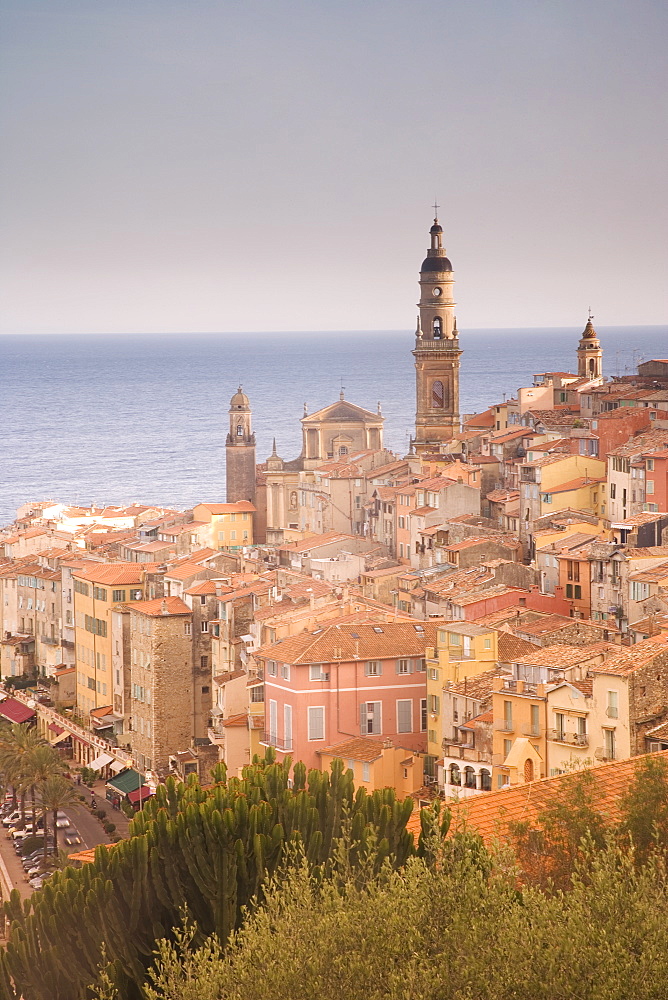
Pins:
x: 222, y: 165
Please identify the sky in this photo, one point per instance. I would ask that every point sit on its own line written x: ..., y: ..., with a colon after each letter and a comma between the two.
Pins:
x: 270, y: 165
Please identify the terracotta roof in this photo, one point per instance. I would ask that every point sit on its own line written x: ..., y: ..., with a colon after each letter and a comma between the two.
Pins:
x: 574, y: 484
x: 490, y: 813
x: 240, y: 720
x: 565, y: 656
x: 112, y: 573
x: 633, y: 657
x: 360, y: 748
x: 653, y: 575
x: 228, y: 508
x: 161, y: 606
x: 353, y: 641
x: 205, y: 587
x: 315, y: 541
x: 511, y: 647
x: 479, y: 686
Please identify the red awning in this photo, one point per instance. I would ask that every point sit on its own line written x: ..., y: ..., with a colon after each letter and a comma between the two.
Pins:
x: 53, y: 728
x: 140, y: 794
x: 15, y: 711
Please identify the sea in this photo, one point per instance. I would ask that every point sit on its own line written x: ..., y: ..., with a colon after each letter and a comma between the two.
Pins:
x: 122, y: 418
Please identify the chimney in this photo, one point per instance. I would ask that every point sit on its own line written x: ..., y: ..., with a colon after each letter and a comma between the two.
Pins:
x: 164, y: 610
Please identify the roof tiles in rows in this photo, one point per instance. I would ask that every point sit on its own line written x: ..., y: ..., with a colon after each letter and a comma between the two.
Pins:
x: 492, y: 813
x: 654, y: 575
x: 354, y: 641
x: 161, y: 607
x: 362, y: 748
x: 316, y: 541
x: 638, y: 445
x: 566, y: 656
x: 479, y: 686
x: 633, y: 657
x: 112, y: 573
x: 228, y: 508
x: 511, y: 647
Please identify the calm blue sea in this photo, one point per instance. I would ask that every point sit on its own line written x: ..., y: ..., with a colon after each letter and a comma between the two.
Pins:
x: 121, y: 418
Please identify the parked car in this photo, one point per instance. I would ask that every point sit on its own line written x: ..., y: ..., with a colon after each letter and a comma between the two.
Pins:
x: 38, y: 881
x: 13, y: 818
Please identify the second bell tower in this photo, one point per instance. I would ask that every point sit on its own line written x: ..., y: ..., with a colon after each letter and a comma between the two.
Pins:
x: 436, y: 351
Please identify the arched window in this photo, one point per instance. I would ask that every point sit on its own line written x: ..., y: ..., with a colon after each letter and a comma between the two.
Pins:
x: 528, y: 769
x: 437, y: 395
x: 592, y: 366
x: 485, y: 780
x: 469, y: 777
x: 438, y: 328
x: 240, y: 430
x: 455, y: 775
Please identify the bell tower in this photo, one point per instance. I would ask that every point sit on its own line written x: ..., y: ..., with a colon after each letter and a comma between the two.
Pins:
x: 590, y: 353
x: 240, y: 451
x: 436, y: 350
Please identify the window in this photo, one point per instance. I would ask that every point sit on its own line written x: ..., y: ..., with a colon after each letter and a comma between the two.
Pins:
x: 366, y: 772
x: 405, y: 716
x: 578, y: 592
x: 507, y: 745
x: 404, y: 666
x: 202, y: 599
x: 205, y: 626
x: 612, y: 710
x: 432, y: 674
x: 135, y: 595
x: 649, y: 463
x: 613, y: 491
x: 187, y: 628
x: 610, y: 744
x: 257, y: 694
x: 423, y: 715
x: 649, y: 487
x: 507, y: 715
x: 118, y: 596
x: 99, y: 594
x: 547, y: 498
x: 370, y: 718
x: 488, y: 643
x: 437, y: 395
x: 316, y: 723
x: 204, y: 662
x: 285, y: 671
x: 559, y: 725
x: 271, y: 668
x: 434, y: 704
x: 81, y: 588
x: 535, y: 722
x: 233, y: 536
x: 373, y: 668
x: 639, y: 591
x: 315, y: 672
x: 287, y: 726
x: 273, y: 722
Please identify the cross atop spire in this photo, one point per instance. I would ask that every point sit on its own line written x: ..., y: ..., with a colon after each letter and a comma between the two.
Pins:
x: 436, y: 208
x: 591, y: 315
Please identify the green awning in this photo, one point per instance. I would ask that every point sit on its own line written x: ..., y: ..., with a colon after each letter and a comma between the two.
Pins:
x: 126, y: 781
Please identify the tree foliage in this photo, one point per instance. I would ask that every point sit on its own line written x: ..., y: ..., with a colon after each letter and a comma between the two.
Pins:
x: 206, y: 851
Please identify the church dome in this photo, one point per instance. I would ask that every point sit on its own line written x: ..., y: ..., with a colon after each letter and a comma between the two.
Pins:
x: 436, y: 228
x: 240, y: 401
x: 589, y: 332
x: 436, y: 264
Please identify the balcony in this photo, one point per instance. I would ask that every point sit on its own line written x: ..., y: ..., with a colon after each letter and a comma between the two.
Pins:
x: 529, y: 730
x: 279, y: 742
x: 606, y: 753
x: 504, y: 726
x: 612, y: 712
x: 570, y: 739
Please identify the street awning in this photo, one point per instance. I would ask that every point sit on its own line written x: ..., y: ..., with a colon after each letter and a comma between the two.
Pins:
x: 116, y: 766
x: 61, y: 737
x: 127, y: 781
x: 140, y: 794
x: 101, y: 761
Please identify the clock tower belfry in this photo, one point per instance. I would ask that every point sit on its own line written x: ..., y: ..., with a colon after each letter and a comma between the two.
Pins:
x: 436, y: 351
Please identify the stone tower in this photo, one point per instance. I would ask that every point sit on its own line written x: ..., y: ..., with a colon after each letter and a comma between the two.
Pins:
x: 590, y: 353
x: 436, y: 351
x: 240, y: 451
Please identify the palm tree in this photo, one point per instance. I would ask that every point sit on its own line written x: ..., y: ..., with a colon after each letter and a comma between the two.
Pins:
x: 55, y: 793
x: 40, y: 763
x: 16, y: 741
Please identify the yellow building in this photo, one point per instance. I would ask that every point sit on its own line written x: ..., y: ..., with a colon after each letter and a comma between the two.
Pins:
x: 377, y: 764
x: 519, y: 732
x: 97, y: 589
x: 226, y: 525
x: 464, y: 650
x: 556, y: 482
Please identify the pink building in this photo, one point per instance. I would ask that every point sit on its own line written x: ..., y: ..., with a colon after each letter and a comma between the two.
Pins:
x: 346, y: 680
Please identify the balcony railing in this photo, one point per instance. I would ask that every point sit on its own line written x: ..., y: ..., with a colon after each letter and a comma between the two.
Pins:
x: 612, y: 712
x: 280, y: 742
x: 529, y: 730
x: 571, y: 739
x: 606, y: 753
x: 504, y: 726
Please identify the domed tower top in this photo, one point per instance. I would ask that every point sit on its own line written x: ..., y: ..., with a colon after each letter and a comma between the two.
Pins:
x: 436, y: 260
x: 590, y: 354
x: 239, y: 401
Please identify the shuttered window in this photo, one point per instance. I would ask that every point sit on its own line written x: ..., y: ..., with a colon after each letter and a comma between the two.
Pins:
x: 404, y: 715
x: 316, y: 723
x: 370, y: 718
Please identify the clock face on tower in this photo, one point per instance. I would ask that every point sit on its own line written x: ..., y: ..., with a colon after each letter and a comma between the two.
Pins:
x: 436, y: 292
